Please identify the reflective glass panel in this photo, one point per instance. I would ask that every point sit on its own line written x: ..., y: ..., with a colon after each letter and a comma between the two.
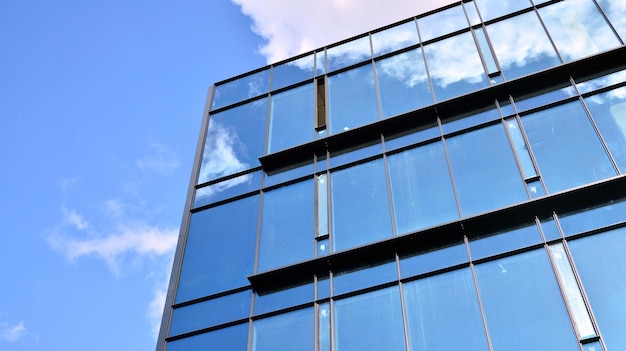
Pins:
x: 433, y: 260
x: 285, y: 174
x: 211, y: 241
x: 485, y: 50
x: 359, y: 152
x: 410, y: 137
x: 322, y: 207
x: 348, y: 54
x: 231, y: 338
x: 577, y: 28
x: 490, y: 245
x: 234, y: 141
x: 585, y: 86
x: 292, y: 72
x: 523, y: 304
x: 360, y: 205
x: 364, y: 277
x: 241, y: 89
x: 484, y: 170
x: 324, y: 327
x: 443, y: 22
x: 287, y: 225
x: 521, y: 148
x: 455, y: 67
x: 288, y: 297
x: 609, y: 112
x: 227, y: 189
x: 550, y: 229
x: 352, y: 99
x: 370, y: 322
x: 472, y: 13
x: 591, y: 218
x: 421, y: 188
x: 293, y: 331
x: 616, y: 12
x: 601, y: 264
x: 566, y: 147
x: 443, y: 314
x: 521, y: 52
x: 292, y: 118
x: 394, y: 38
x: 544, y: 97
x: 209, y: 313
x: 470, y: 120
x: 403, y: 83
x: 490, y: 9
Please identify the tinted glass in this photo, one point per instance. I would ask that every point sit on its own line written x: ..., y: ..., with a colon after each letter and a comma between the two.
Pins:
x: 395, y: 38
x: 484, y: 170
x: 342, y: 157
x: 364, y: 277
x: 360, y: 205
x: 370, y: 322
x: 231, y: 338
x: 293, y: 331
x: 577, y: 28
x: 566, y: 147
x: 485, y: 50
x: 241, y: 89
x: 403, y: 83
x: 443, y: 22
x: 211, y: 241
x: 292, y: 118
x: 292, y: 72
x: 437, y: 305
x: 349, y: 53
x: 601, y: 264
x: 352, y: 99
x: 616, y: 12
x: 289, y: 297
x: 287, y: 226
x: 470, y: 120
x: 455, y: 67
x: 547, y: 96
x: 587, y: 85
x: 227, y: 189
x: 293, y: 171
x: 234, y: 141
x: 523, y: 305
x: 421, y: 188
x: 521, y: 52
x: 592, y: 218
x: 490, y: 9
x: 433, y: 260
x: 609, y: 112
x: 499, y: 243
x: 410, y: 137
x: 210, y: 313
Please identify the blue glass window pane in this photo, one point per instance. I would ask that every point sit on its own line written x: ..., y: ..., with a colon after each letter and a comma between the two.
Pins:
x: 241, y: 89
x: 287, y: 226
x: 360, y: 205
x: 609, y: 112
x: 352, y: 99
x: 211, y: 241
x: 210, y: 313
x: 523, y: 304
x: 616, y: 12
x: 359, y: 152
x: 585, y: 86
x: 421, y: 188
x: 227, y: 189
x: 521, y: 148
x: 472, y: 13
x: 293, y: 171
x: 490, y: 9
x: 443, y: 314
x: 403, y: 83
x: 370, y: 322
x: 293, y: 331
x: 577, y: 28
x: 566, y: 147
x: 292, y: 118
x: 289, y: 297
x: 324, y: 327
x: 231, y: 338
x: 293, y: 72
x: 601, y: 264
x: 348, y: 54
x: 410, y: 137
x: 323, y: 287
x: 592, y: 218
x: 553, y: 94
x: 364, y: 277
x: 394, y: 38
x: 503, y: 242
x: 550, y: 229
x: 234, y: 141
x: 433, y: 260
x: 522, y: 52
x: 484, y: 170
x: 485, y: 50
x: 471, y: 120
x: 441, y: 23
x: 455, y: 67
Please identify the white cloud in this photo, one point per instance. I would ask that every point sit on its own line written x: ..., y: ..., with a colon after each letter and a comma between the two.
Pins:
x: 72, y: 218
x: 12, y: 333
x: 292, y: 27
x: 164, y: 161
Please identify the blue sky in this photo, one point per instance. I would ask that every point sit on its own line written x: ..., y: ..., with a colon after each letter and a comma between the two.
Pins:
x: 100, y: 105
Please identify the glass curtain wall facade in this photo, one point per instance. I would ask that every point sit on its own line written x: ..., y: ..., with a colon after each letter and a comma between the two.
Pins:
x: 455, y: 181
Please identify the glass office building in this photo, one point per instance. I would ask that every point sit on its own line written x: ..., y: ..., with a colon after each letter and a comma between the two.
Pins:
x: 455, y: 181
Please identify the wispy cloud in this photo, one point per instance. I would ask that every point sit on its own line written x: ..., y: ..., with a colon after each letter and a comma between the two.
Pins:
x: 163, y: 160
x: 12, y: 333
x: 72, y: 218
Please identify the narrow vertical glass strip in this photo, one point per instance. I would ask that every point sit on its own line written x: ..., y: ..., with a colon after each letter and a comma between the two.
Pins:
x: 324, y: 326
x: 472, y: 13
x: 550, y: 229
x: 486, y: 51
x: 521, y: 148
x: 535, y: 189
x: 574, y: 298
x: 322, y: 205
